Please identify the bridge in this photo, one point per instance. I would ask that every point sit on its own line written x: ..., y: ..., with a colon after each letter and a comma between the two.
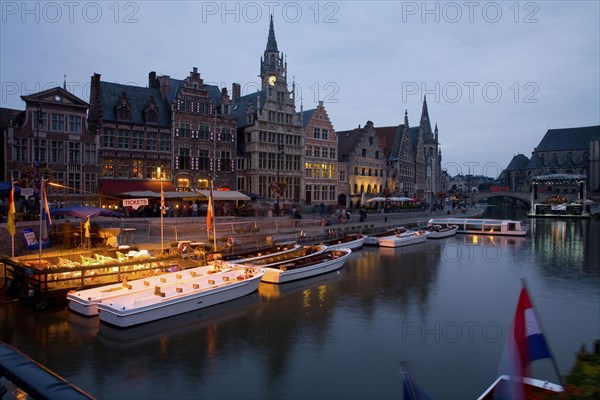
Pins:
x: 523, y: 197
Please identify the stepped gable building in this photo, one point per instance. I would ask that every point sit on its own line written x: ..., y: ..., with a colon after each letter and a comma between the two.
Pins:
x: 203, y: 132
x: 270, y: 132
x: 133, y: 125
x: 321, y: 165
x: 363, y: 153
x: 561, y: 151
x: 51, y: 139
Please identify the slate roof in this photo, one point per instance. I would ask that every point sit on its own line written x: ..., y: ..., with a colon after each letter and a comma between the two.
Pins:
x: 347, y: 140
x: 534, y: 162
x: 137, y: 96
x: 414, y: 137
x: 241, y: 104
x: 569, y: 138
x: 387, y: 140
x: 519, y: 161
x: 307, y: 116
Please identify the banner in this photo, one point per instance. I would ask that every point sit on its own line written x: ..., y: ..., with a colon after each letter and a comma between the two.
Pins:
x: 135, y: 203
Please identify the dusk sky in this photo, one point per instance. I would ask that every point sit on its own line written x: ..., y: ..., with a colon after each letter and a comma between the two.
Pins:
x: 496, y: 75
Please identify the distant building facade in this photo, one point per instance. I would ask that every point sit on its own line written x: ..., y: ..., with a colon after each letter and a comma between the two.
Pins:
x: 321, y: 162
x: 561, y: 151
x: 51, y: 140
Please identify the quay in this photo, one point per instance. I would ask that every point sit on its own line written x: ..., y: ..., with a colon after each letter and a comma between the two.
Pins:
x: 44, y: 281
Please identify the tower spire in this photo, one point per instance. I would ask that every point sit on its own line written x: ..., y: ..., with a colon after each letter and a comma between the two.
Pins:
x: 425, y: 125
x: 271, y: 42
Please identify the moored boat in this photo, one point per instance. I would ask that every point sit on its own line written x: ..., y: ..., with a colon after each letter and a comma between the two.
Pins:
x: 184, y: 296
x: 482, y: 226
x: 86, y: 301
x: 353, y: 242
x: 262, y: 253
x: 439, y: 231
x: 403, y: 239
x: 373, y: 239
x: 304, y: 267
x: 304, y: 251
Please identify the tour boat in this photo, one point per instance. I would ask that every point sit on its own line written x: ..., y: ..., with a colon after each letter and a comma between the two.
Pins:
x: 352, y: 242
x: 403, y: 239
x: 304, y: 251
x: 262, y: 253
x: 439, y: 231
x: 482, y: 226
x: 525, y: 343
x: 85, y: 301
x: 307, y: 266
x: 373, y: 239
x: 183, y: 296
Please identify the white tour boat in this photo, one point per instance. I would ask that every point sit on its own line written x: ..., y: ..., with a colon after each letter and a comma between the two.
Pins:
x: 353, y: 242
x: 262, y: 253
x: 373, y: 239
x: 174, y: 299
x: 482, y: 226
x: 85, y: 301
x: 307, y: 266
x: 439, y: 231
x: 403, y: 239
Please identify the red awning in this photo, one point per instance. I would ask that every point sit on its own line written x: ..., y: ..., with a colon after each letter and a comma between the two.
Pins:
x: 115, y: 187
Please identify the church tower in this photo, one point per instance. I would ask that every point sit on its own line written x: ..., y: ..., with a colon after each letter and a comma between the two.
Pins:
x: 273, y: 68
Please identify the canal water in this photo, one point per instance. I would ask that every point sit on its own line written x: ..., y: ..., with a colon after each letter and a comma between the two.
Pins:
x: 444, y: 306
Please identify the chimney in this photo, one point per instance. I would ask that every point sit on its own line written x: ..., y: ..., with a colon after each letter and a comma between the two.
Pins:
x: 152, y: 80
x: 165, y: 83
x: 236, y: 91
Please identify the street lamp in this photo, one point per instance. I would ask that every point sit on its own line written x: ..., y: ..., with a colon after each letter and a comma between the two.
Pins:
x: 162, y: 208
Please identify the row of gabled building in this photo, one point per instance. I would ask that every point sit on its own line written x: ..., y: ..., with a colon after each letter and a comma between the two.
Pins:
x: 258, y: 143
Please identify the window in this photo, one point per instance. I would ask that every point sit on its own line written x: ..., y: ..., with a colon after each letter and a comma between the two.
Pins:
x: 332, y: 153
x: 325, y: 133
x: 20, y: 149
x: 308, y: 169
x: 364, y: 152
x: 42, y: 122
x: 57, y: 122
x: 39, y: 150
x: 165, y: 142
x: 123, y: 139
x: 226, y: 135
x: 184, y: 159
x: 107, y: 168
x: 317, y: 152
x: 203, y: 160
x: 309, y: 151
x: 74, y: 150
x: 262, y: 187
x: 57, y: 152
x: 377, y: 154
x: 74, y: 123
x: 151, y: 142
x: 203, y: 132
x: 137, y: 168
x: 184, y: 130
x: 90, y: 154
x: 342, y: 176
x: 262, y: 160
x: 137, y: 140
x: 108, y: 140
x: 224, y: 161
x: 317, y: 133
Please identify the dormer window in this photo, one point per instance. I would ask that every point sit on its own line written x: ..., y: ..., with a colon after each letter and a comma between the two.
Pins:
x: 150, y: 112
x: 123, y: 108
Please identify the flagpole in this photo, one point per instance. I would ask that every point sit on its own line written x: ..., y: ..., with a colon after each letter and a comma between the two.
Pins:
x: 541, y: 328
x: 212, y: 201
x: 41, y: 220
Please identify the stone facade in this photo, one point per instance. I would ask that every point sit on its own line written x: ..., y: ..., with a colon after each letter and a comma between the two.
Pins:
x: 271, y: 143
x: 51, y: 139
x: 362, y: 152
x: 321, y: 165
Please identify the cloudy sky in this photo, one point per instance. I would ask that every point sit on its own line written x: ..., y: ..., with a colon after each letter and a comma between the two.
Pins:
x: 496, y: 75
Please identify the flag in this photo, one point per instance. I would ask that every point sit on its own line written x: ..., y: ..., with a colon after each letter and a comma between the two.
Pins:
x: 10, y: 222
x: 210, y: 215
x: 529, y: 339
x: 46, y: 215
x: 162, y: 201
x: 525, y: 344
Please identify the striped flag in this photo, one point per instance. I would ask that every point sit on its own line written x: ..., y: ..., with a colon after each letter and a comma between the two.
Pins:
x: 210, y: 215
x: 10, y: 222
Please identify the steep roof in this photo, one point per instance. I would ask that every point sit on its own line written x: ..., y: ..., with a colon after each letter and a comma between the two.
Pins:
x: 240, y: 106
x: 534, y: 162
x: 347, y: 140
x: 569, y: 138
x: 387, y: 139
x: 519, y: 161
x: 307, y: 116
x: 138, y: 97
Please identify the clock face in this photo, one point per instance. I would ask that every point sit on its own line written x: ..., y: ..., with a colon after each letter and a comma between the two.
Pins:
x: 57, y: 98
x: 272, y: 80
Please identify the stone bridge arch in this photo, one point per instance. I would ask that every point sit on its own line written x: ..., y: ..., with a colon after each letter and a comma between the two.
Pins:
x: 522, y: 197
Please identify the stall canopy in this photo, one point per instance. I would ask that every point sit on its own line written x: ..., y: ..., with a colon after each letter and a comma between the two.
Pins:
x: 199, y: 194
x: 118, y: 187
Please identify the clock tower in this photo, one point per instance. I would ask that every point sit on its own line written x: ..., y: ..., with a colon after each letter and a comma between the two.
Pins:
x: 272, y: 66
